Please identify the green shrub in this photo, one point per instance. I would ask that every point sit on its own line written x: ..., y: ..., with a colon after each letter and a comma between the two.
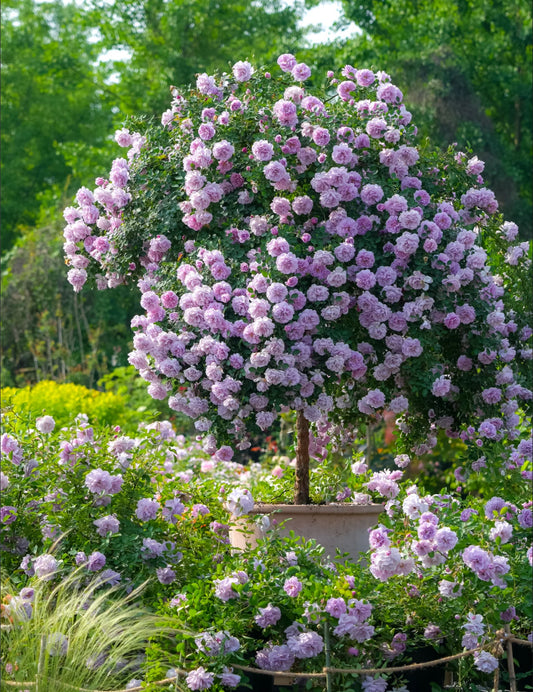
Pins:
x: 64, y: 401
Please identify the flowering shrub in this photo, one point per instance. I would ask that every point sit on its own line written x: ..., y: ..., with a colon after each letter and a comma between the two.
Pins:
x: 279, y: 604
x: 115, y: 510
x: 295, y: 249
x: 126, y: 508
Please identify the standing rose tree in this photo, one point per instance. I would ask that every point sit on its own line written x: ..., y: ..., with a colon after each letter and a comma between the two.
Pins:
x: 296, y: 251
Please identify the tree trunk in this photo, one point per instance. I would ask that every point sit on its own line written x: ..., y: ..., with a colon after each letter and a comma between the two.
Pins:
x: 301, y: 486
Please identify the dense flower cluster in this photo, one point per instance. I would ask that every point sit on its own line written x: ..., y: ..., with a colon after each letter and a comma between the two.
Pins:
x: 88, y: 494
x: 296, y: 250
x: 422, y: 554
x: 420, y: 540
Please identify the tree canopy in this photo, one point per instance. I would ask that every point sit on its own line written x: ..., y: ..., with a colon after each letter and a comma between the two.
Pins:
x: 169, y: 41
x: 53, y: 104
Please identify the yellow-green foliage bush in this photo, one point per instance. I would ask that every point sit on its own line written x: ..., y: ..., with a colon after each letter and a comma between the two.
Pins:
x: 64, y: 401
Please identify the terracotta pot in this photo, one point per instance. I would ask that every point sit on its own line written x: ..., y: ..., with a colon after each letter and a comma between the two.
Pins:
x: 335, y: 526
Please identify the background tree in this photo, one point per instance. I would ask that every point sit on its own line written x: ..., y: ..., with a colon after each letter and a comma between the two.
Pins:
x: 169, y: 42
x: 466, y: 70
x: 55, y: 112
x: 50, y: 333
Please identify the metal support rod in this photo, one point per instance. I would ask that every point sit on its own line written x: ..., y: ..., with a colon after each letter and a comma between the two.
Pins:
x: 327, y: 651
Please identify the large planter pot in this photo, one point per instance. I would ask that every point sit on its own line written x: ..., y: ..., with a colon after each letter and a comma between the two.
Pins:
x: 336, y: 526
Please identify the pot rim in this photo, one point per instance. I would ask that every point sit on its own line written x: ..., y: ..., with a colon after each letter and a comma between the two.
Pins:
x: 333, y: 508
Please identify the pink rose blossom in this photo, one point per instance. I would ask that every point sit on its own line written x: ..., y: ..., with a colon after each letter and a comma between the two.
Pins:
x: 242, y: 71
x: 365, y: 77
x: 452, y: 321
x: 321, y: 136
x: 376, y: 128
x: 301, y: 72
x: 371, y: 194
x: 292, y: 586
x: 45, y: 424
x: 286, y: 62
x: 302, y: 205
x: 223, y: 150
x: 285, y: 112
x: 262, y: 150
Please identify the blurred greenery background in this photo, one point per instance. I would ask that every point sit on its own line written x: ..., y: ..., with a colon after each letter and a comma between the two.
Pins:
x: 71, y: 73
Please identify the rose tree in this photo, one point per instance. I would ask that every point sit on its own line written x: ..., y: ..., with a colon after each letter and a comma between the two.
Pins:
x: 296, y: 251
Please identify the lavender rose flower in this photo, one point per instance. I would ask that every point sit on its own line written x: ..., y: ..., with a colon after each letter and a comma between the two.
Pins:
x: 45, y: 424
x: 45, y: 566
x: 306, y: 644
x: 292, y: 586
x: 275, y: 658
x: 229, y: 679
x: 146, y: 509
x: 107, y: 525
x: 268, y: 616
x: 224, y: 588
x: 199, y: 679
x: 239, y: 502
x: 485, y: 662
x: 96, y: 561
x: 165, y: 575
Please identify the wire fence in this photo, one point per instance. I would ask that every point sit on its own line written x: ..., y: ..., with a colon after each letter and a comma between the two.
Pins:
x: 328, y: 672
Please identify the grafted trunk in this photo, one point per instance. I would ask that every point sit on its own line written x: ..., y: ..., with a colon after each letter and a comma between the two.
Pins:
x: 301, y: 486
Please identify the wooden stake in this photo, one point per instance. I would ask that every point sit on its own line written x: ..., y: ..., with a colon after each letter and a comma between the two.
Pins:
x: 510, y: 661
x: 327, y: 650
x: 496, y: 680
x: 448, y: 678
x: 368, y: 452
